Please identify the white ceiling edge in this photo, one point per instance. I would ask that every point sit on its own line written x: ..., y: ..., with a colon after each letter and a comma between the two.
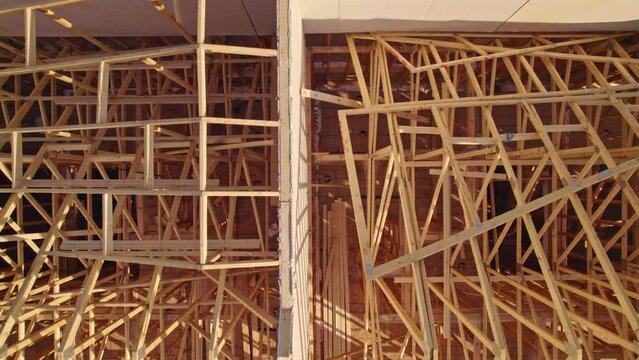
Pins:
x: 390, y: 25
x: 339, y: 16
x: 228, y: 17
x: 577, y: 11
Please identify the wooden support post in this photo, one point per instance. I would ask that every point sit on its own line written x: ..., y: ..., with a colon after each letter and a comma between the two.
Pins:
x: 201, y: 21
x: 446, y: 232
x: 16, y: 160
x: 107, y: 224
x: 103, y: 93
x: 201, y: 81
x: 149, y: 170
x: 30, y: 43
x: 203, y: 156
x: 204, y: 231
x: 203, y: 199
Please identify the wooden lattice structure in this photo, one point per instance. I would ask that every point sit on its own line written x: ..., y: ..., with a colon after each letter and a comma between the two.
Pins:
x: 494, y: 197
x: 477, y: 198
x: 139, y: 193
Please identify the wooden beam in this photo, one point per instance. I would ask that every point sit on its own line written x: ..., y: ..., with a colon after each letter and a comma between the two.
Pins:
x: 16, y: 161
x: 66, y: 349
x: 107, y: 224
x: 103, y: 94
x: 30, y: 37
x: 216, y: 328
x: 201, y: 21
x: 149, y: 158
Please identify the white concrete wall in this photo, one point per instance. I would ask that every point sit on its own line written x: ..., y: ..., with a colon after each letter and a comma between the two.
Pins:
x: 300, y: 216
x: 294, y: 329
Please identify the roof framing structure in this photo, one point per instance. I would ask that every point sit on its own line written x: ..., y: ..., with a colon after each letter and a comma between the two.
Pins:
x: 341, y: 196
x: 140, y: 182
x: 493, y: 211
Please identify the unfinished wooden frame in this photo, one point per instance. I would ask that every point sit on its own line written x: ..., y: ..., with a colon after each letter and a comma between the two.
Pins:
x: 138, y: 198
x: 522, y: 150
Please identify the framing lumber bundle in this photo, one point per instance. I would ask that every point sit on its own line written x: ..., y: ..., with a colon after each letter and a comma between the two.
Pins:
x: 509, y: 164
x: 335, y: 291
x: 138, y: 186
